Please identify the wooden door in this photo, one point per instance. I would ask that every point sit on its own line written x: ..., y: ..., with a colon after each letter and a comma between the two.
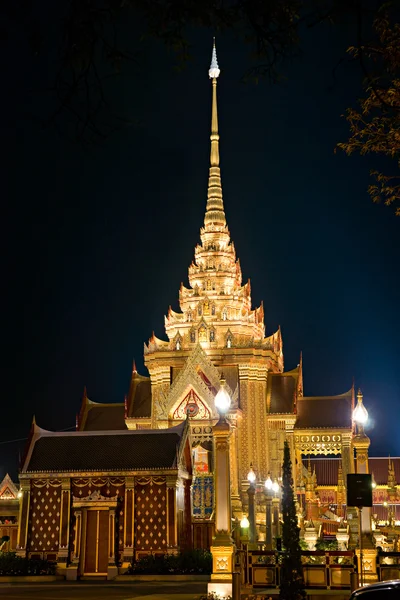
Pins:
x: 96, y: 544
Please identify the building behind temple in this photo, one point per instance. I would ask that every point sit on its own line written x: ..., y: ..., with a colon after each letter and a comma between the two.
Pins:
x: 155, y: 449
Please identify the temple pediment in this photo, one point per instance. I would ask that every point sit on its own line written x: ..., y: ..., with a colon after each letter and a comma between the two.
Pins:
x: 200, y: 379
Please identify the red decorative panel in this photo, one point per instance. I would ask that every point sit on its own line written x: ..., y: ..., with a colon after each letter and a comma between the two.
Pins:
x: 327, y: 496
x: 45, y: 511
x: 151, y: 513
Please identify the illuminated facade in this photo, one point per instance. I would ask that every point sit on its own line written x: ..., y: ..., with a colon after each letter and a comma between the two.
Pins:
x: 215, y: 335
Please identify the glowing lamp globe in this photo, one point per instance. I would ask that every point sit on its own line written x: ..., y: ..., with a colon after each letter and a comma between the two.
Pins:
x: 244, y: 523
x: 222, y: 399
x: 268, y: 482
x: 360, y: 413
x: 275, y: 486
x: 251, y: 476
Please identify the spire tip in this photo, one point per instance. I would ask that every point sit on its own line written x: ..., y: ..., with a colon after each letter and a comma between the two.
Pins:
x: 214, y: 69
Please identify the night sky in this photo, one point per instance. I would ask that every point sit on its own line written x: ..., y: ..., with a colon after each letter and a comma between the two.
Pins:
x: 97, y: 240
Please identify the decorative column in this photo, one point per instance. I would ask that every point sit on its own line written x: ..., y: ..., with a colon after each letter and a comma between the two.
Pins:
x: 172, y: 525
x: 23, y: 520
x: 112, y: 570
x: 268, y: 512
x: 129, y: 508
x: 347, y: 455
x: 361, y: 443
x: 275, y: 512
x: 235, y: 496
x: 65, y: 517
x: 223, y: 547
x: 75, y: 555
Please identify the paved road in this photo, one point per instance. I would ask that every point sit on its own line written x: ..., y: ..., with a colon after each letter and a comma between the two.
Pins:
x: 114, y: 591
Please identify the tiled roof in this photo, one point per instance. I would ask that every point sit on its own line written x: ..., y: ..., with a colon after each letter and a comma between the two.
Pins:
x: 281, y: 389
x: 379, y: 467
x: 325, y: 411
x: 104, y: 417
x: 139, y: 398
x: 111, y: 451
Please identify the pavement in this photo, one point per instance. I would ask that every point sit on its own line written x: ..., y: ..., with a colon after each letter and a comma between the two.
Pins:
x: 114, y: 591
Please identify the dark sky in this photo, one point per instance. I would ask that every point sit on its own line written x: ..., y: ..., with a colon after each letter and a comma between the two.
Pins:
x: 96, y: 241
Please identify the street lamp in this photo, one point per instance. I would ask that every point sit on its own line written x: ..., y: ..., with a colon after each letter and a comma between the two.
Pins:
x: 360, y: 413
x: 251, y: 476
x: 268, y: 512
x: 244, y: 523
x: 222, y: 548
x: 361, y: 443
x: 251, y: 491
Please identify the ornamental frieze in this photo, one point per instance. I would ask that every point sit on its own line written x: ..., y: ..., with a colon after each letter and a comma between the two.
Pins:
x: 325, y: 443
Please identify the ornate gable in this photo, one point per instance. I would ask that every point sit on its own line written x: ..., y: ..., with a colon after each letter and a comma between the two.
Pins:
x: 8, y: 489
x: 198, y: 377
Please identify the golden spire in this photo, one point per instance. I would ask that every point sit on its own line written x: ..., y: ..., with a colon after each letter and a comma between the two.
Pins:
x: 215, y: 207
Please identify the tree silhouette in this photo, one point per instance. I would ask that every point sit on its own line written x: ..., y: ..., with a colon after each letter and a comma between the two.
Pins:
x: 291, y: 578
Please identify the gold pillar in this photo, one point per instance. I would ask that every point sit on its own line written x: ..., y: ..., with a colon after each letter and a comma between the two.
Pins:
x: 361, y: 443
x: 23, y: 520
x: 129, y: 508
x: 77, y: 537
x: 223, y: 547
x: 172, y: 489
x: 268, y: 520
x: 65, y: 508
x: 234, y: 468
x: 111, y: 537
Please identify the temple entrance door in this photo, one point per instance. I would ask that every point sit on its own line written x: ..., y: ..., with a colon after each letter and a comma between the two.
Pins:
x: 96, y: 543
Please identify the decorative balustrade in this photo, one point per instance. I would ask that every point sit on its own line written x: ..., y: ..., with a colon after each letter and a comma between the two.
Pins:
x: 327, y: 570
x: 388, y: 565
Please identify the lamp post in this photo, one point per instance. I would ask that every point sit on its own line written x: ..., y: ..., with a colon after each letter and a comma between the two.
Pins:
x: 251, y: 491
x: 223, y: 547
x: 268, y: 512
x: 275, y: 508
x: 361, y: 443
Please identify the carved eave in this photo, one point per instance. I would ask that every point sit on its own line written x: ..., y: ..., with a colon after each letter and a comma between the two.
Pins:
x: 321, y: 441
x: 155, y: 344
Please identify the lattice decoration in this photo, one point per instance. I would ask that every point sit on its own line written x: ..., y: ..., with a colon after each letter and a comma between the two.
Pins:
x: 45, y: 512
x: 151, y: 515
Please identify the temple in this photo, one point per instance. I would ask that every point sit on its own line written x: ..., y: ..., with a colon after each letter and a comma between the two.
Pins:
x: 160, y: 438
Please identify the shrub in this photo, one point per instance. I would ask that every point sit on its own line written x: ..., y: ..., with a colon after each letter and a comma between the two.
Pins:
x: 185, y: 563
x: 11, y: 564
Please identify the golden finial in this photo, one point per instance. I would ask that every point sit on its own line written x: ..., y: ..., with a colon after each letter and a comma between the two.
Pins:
x: 215, y: 207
